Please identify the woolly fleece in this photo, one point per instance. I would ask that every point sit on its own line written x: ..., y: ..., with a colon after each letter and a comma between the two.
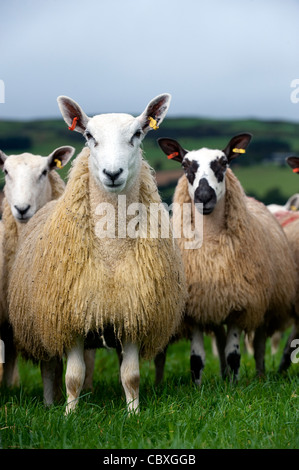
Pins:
x: 244, y: 271
x: 10, y: 231
x: 292, y: 230
x: 62, y: 286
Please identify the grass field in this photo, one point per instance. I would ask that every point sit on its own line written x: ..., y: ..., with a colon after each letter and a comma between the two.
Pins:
x: 252, y: 414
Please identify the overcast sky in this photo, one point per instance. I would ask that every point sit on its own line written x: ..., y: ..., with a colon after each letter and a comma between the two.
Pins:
x: 218, y: 58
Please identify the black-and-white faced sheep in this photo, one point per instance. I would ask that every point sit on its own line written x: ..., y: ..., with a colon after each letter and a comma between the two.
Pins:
x: 243, y: 275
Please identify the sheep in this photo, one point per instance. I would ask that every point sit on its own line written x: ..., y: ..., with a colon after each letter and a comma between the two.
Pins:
x: 292, y: 204
x: 243, y: 274
x: 29, y: 184
x: 290, y: 223
x: 93, y: 289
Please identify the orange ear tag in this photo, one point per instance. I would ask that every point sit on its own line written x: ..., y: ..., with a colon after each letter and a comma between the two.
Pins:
x: 74, y: 123
x: 296, y: 170
x: 172, y: 155
x: 239, y: 150
x: 58, y: 163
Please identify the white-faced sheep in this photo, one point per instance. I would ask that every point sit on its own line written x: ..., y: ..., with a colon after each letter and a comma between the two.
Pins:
x: 289, y: 220
x: 292, y: 204
x: 81, y: 285
x: 30, y: 183
x: 243, y: 274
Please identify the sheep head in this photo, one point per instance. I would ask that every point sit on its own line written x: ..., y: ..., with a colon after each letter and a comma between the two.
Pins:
x: 114, y: 140
x: 205, y: 168
x: 27, y: 185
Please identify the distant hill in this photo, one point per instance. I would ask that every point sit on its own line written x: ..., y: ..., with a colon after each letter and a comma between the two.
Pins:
x: 272, y: 140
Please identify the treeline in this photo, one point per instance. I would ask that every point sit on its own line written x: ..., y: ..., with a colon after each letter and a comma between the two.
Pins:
x: 268, y: 143
x: 272, y: 140
x: 23, y: 144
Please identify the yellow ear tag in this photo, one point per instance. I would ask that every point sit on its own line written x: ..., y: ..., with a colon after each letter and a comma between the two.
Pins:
x: 153, y: 123
x: 293, y: 208
x: 58, y: 163
x: 239, y: 150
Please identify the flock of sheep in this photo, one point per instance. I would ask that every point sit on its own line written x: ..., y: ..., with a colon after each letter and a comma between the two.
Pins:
x: 65, y: 291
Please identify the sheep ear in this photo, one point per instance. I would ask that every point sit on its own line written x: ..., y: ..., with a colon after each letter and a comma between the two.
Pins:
x: 60, y: 157
x: 293, y: 162
x: 237, y: 145
x: 173, y: 149
x: 292, y: 203
x: 73, y: 115
x: 3, y: 157
x: 155, y: 112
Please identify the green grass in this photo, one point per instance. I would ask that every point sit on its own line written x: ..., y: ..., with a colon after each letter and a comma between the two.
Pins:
x: 260, y: 180
x: 253, y: 414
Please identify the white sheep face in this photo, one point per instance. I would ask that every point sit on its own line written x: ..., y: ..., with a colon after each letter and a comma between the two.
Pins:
x: 115, y: 158
x: 114, y: 140
x: 27, y: 185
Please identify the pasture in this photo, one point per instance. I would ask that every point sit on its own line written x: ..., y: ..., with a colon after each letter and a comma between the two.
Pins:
x: 252, y: 414
x: 255, y: 413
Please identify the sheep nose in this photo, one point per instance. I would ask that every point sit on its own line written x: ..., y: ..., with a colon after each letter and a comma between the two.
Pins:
x: 113, y: 175
x: 204, y: 193
x: 22, y: 211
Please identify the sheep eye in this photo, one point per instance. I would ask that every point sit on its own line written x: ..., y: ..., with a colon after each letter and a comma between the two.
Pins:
x: 5, y: 172
x: 43, y: 173
x: 88, y: 135
x: 186, y: 164
x: 137, y: 135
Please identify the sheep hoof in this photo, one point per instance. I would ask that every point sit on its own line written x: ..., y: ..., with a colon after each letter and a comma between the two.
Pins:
x: 71, y: 406
x: 233, y: 360
x: 133, y: 408
x: 197, y: 366
x: 285, y: 363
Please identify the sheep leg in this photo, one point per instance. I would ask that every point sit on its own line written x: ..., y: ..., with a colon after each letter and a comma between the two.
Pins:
x: 259, y: 347
x: 248, y: 343
x: 51, y: 372
x: 10, y: 376
x: 75, y: 374
x: 275, y: 340
x: 232, y: 351
x: 214, y: 346
x: 220, y: 335
x: 286, y: 357
x: 120, y: 358
x: 197, y: 357
x: 159, y: 365
x: 58, y: 387
x: 89, y: 359
x: 130, y: 376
